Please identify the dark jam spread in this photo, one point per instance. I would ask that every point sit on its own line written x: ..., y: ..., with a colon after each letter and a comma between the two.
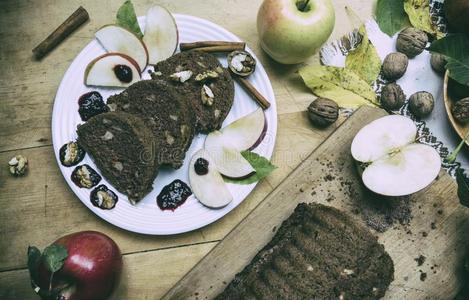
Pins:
x: 103, y: 197
x: 173, y: 195
x: 71, y: 154
x: 201, y: 166
x: 123, y: 73
x: 85, y: 177
x: 90, y: 105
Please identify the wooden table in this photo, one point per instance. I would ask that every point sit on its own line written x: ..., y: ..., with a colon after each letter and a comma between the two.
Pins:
x: 38, y: 208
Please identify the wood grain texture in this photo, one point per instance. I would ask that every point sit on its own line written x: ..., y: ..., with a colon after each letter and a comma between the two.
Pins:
x: 443, y: 246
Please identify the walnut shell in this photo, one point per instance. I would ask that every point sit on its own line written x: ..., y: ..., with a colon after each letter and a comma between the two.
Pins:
x: 323, y: 112
x: 438, y: 63
x: 421, y: 104
x: 392, y: 96
x: 411, y: 41
x: 460, y: 110
x: 394, y: 65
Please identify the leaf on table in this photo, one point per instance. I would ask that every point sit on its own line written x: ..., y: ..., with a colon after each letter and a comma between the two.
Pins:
x: 261, y: 165
x: 127, y: 18
x: 419, y: 16
x: 34, y: 258
x: 364, y: 60
x: 54, y: 257
x: 339, y: 84
x: 391, y: 16
x: 455, y: 48
x: 463, y: 187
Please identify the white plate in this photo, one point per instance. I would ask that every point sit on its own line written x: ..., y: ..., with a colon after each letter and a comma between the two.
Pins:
x: 146, y: 217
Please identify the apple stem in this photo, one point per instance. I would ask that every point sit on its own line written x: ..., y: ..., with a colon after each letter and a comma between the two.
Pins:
x: 303, y: 5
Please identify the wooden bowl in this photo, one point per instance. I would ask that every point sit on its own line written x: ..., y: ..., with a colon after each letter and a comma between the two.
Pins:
x: 461, y: 129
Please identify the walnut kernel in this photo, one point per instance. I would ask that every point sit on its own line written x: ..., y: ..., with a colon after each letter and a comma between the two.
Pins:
x: 181, y: 76
x: 207, y: 95
x: 18, y: 165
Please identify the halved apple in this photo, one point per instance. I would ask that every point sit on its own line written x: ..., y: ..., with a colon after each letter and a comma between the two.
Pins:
x: 247, y: 132
x: 391, y: 163
x: 208, y: 187
x: 227, y: 156
x: 161, y: 34
x: 120, y: 40
x: 104, y: 71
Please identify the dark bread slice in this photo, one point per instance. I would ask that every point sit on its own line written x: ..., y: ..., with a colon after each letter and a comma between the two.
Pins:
x: 122, y: 147
x: 166, y: 113
x: 209, y: 117
x: 318, y: 253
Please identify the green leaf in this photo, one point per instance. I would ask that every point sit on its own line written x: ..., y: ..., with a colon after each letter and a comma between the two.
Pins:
x: 463, y: 187
x: 419, y: 16
x: 261, y: 164
x: 391, y: 16
x: 364, y: 60
x: 339, y: 84
x: 455, y: 48
x: 127, y: 18
x: 34, y: 258
x: 54, y: 257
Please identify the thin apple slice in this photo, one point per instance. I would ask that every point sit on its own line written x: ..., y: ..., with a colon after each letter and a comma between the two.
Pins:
x: 102, y: 70
x: 227, y: 157
x: 161, y: 34
x: 405, y: 172
x: 247, y: 132
x: 120, y: 40
x: 208, y: 188
x: 382, y: 136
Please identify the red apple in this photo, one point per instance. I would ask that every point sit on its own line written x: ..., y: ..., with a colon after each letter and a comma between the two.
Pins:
x: 90, y: 271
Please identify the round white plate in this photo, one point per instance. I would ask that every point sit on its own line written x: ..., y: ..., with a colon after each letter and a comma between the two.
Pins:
x: 146, y: 217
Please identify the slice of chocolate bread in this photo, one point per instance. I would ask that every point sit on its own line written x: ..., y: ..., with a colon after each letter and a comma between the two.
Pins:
x: 122, y: 147
x: 166, y: 113
x: 317, y: 253
x: 201, y: 79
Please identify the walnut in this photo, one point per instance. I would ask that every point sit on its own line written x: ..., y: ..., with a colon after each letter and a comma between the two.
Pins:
x: 241, y: 63
x: 438, y: 63
x: 206, y: 76
x: 394, y: 65
x: 207, y: 95
x: 181, y: 76
x: 411, y: 41
x: 421, y: 104
x: 71, y: 154
x: 18, y: 165
x: 392, y: 96
x: 323, y: 112
x: 103, y: 197
x: 460, y: 110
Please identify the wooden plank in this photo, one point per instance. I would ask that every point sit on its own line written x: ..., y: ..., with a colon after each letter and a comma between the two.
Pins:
x: 146, y: 275
x: 38, y: 208
x: 443, y: 246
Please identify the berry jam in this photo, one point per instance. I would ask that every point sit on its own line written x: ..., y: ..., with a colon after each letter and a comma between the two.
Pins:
x: 123, y: 73
x: 201, y: 166
x: 103, y: 197
x: 90, y: 105
x: 71, y: 154
x: 85, y: 177
x: 173, y: 195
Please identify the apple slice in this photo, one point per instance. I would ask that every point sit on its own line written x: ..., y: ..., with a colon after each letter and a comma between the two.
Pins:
x: 161, y: 34
x: 227, y: 156
x: 247, y: 132
x: 208, y: 185
x: 120, y: 40
x: 391, y: 162
x: 112, y: 70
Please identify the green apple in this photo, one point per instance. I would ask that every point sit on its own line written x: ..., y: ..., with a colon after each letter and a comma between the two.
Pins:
x: 290, y: 31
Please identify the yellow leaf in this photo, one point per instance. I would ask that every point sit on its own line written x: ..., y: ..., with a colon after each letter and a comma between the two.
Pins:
x: 419, y: 16
x: 339, y: 84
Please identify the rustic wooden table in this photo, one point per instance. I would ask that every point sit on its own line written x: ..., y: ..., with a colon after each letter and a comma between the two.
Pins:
x: 38, y: 208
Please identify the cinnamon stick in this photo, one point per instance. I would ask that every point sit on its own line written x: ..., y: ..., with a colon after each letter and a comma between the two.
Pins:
x: 79, y: 17
x: 204, y: 44
x: 261, y: 100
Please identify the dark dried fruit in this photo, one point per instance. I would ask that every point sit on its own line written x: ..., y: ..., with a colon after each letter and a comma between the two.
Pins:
x: 85, y: 177
x: 173, y: 195
x: 123, y: 73
x: 392, y: 96
x: 103, y: 197
x: 421, y: 104
x: 90, y: 105
x: 201, y: 166
x: 438, y: 63
x: 460, y: 110
x: 411, y: 41
x: 394, y: 65
x: 71, y: 154
x: 323, y: 112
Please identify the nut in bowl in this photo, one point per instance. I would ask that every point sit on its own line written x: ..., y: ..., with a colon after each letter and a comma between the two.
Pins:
x: 454, y: 92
